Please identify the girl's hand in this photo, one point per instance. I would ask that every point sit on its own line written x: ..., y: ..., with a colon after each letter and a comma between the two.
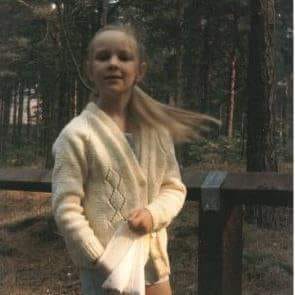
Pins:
x: 140, y: 221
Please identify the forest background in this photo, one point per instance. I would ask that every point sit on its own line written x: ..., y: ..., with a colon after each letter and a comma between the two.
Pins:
x: 232, y: 59
x: 202, y: 55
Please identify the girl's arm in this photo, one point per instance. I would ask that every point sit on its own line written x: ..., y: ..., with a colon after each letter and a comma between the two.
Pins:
x: 172, y: 191
x: 68, y: 177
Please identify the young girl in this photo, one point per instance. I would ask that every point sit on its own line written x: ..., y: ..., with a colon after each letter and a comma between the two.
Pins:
x: 115, y: 163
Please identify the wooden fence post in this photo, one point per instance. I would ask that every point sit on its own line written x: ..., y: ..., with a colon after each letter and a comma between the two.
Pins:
x: 232, y: 242
x: 210, y: 253
x: 220, y: 240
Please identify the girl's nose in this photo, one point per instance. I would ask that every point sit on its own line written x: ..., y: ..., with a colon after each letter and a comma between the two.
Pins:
x: 114, y: 60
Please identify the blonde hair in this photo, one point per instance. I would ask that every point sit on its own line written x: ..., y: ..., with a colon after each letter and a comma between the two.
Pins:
x: 183, y: 125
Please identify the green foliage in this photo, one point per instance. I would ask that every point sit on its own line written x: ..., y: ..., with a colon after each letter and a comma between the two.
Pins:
x: 24, y: 155
x: 222, y: 150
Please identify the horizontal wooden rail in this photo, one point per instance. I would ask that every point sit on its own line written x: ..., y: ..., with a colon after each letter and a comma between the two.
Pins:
x: 25, y: 179
x: 266, y: 188
x: 221, y: 195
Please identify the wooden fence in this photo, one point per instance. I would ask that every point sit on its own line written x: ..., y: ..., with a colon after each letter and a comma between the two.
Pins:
x: 221, y: 196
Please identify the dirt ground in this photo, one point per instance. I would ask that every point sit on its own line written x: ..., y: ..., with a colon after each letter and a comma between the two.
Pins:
x: 33, y: 259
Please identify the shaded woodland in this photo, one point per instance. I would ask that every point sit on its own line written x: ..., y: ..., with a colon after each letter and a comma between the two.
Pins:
x: 230, y: 59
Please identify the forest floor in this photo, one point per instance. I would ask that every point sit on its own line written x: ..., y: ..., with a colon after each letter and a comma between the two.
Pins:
x: 34, y: 261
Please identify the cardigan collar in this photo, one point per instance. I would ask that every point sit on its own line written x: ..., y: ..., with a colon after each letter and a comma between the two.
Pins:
x: 139, y: 165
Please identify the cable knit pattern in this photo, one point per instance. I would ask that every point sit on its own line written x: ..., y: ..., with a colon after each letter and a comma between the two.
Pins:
x: 97, y: 180
x: 117, y: 200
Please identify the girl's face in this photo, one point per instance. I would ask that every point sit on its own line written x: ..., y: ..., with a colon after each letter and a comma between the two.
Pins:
x: 114, y: 66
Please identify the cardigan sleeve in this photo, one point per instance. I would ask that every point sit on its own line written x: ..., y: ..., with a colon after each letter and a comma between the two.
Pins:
x: 68, y: 177
x: 172, y: 193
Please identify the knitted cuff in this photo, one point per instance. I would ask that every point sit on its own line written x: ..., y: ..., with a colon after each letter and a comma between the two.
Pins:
x: 150, y: 208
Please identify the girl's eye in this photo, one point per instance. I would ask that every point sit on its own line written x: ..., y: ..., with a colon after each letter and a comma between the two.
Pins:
x: 125, y: 56
x: 102, y: 55
x: 105, y: 55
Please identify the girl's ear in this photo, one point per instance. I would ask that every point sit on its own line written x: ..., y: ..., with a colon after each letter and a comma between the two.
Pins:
x: 141, y: 71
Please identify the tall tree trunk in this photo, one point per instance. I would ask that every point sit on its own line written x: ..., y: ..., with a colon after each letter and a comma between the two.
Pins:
x: 289, y: 114
x: 233, y: 78
x: 208, y: 27
x: 261, y: 154
x: 1, y: 120
x: 104, y: 15
x: 20, y: 114
x: 243, y: 135
x: 28, y: 127
x: 191, y: 54
x: 290, y: 119
x: 37, y: 130
x: 82, y: 92
x: 5, y: 120
x: 205, y: 68
x: 232, y: 96
x: 75, y: 102
x: 178, y: 101
x: 283, y: 118
x: 14, y: 116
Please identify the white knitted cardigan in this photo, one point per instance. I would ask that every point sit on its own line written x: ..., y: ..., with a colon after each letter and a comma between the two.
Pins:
x: 94, y: 161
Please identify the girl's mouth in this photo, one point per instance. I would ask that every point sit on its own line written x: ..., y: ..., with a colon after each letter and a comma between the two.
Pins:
x: 113, y: 77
